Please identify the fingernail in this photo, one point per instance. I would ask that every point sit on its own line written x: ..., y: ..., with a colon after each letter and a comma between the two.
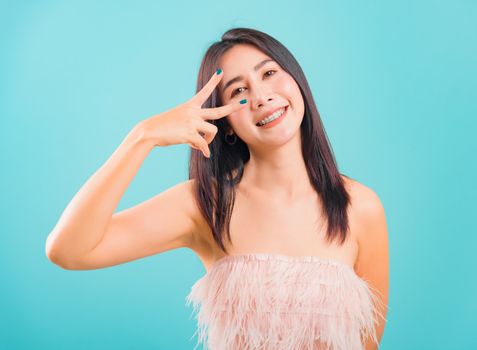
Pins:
x: 218, y: 71
x: 243, y: 101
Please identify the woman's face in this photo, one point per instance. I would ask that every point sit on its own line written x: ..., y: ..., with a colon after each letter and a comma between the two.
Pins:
x: 266, y: 89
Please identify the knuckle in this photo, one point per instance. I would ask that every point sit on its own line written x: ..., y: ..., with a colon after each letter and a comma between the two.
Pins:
x: 190, y: 134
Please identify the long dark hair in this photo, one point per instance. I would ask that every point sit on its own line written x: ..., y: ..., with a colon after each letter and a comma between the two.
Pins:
x: 215, y: 182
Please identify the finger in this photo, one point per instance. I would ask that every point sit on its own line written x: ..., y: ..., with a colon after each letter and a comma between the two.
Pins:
x: 207, y: 89
x: 207, y: 131
x: 201, y: 144
x: 222, y: 111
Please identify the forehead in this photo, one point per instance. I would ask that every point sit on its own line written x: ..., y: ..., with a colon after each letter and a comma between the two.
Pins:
x: 239, y: 55
x: 239, y: 60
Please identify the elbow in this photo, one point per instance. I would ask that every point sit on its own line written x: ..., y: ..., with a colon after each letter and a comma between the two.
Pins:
x: 61, y: 263
x: 49, y: 251
x: 53, y: 255
x: 65, y: 264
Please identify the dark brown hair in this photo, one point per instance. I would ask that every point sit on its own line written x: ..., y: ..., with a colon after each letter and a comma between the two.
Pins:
x: 215, y: 183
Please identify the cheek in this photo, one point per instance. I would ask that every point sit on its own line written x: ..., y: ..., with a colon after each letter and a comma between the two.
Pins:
x: 237, y: 118
x: 286, y: 85
x: 290, y: 89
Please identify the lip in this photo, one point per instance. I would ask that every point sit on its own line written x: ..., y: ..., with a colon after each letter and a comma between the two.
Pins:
x: 276, y: 121
x: 273, y: 111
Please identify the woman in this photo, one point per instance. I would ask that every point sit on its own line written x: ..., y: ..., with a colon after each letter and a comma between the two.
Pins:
x: 296, y: 253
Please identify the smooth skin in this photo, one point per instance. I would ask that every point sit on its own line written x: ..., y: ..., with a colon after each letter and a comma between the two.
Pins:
x: 274, y: 177
x: 89, y: 235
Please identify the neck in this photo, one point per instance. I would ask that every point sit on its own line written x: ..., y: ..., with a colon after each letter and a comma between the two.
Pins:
x: 279, y: 172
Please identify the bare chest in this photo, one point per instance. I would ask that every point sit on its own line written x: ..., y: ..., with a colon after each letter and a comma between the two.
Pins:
x: 292, y: 228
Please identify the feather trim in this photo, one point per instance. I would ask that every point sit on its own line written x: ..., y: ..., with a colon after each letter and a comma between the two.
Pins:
x: 279, y: 302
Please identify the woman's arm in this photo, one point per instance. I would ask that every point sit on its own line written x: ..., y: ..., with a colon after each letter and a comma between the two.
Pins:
x: 87, y: 217
x: 373, y: 259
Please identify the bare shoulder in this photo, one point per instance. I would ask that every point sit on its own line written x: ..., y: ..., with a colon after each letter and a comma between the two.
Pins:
x: 364, y: 199
x: 368, y: 218
x: 372, y: 263
x: 199, y: 243
x: 366, y: 206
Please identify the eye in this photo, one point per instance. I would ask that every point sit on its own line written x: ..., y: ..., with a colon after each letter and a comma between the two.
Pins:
x: 235, y: 91
x: 269, y: 72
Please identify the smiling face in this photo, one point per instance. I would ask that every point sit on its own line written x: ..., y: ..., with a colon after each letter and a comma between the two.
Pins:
x: 267, y: 87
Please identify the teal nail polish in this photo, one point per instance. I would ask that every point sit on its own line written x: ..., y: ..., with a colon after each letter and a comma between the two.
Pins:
x: 243, y: 101
x: 218, y: 71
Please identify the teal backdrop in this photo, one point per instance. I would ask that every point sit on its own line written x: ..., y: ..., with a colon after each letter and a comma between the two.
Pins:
x: 394, y: 81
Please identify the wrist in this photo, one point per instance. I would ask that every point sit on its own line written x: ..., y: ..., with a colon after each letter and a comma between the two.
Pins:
x: 137, y: 136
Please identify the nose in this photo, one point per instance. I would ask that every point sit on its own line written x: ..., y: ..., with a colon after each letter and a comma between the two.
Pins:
x: 260, y: 103
x: 260, y: 95
x: 259, y: 98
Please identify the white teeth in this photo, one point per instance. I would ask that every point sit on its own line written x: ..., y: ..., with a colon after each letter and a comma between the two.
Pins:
x: 272, y: 117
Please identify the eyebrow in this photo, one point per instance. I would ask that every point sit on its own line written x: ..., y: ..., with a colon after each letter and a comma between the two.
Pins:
x: 240, y: 78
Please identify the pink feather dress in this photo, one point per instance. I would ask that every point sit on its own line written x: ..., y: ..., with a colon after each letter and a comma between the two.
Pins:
x: 279, y: 302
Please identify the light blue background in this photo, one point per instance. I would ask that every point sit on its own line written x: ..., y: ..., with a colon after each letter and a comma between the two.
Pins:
x: 395, y: 83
